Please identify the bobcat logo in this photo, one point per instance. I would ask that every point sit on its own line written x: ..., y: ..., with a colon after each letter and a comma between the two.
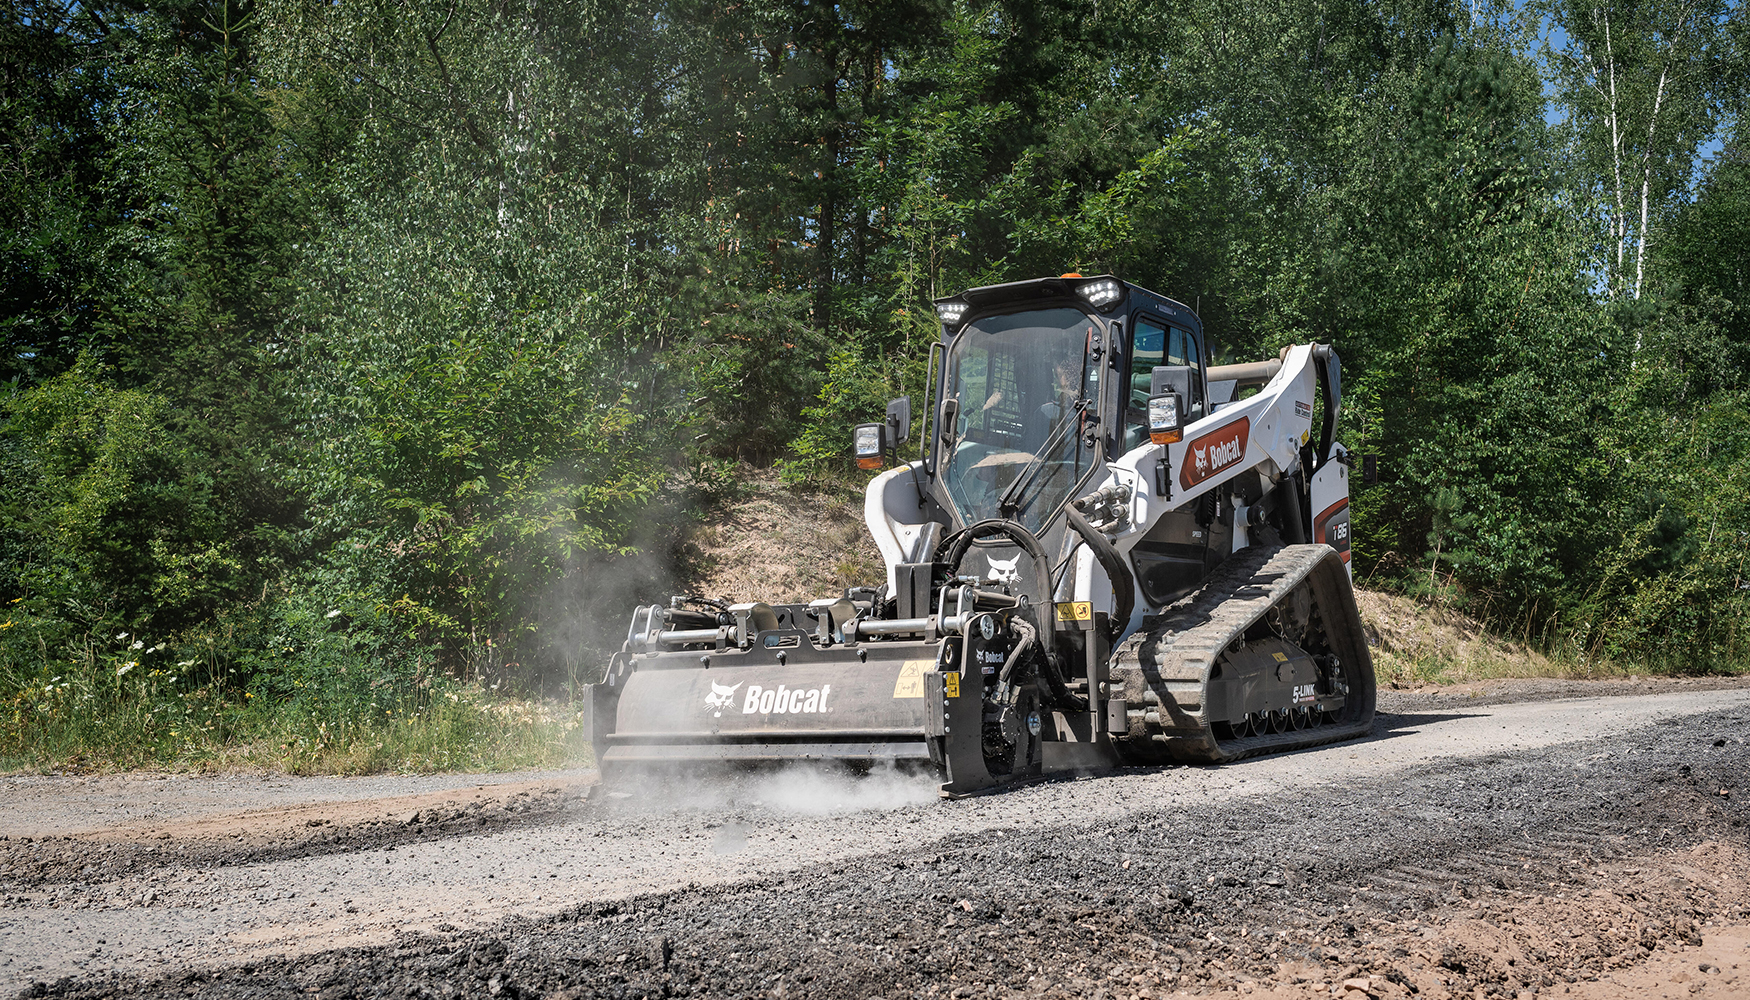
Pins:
x: 1215, y: 452
x: 720, y: 698
x: 1003, y: 570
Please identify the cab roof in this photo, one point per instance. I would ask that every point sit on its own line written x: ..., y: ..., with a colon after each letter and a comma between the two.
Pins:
x: 1045, y: 291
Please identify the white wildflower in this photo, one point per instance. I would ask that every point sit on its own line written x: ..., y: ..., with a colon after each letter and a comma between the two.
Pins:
x: 333, y: 614
x: 185, y: 663
x: 122, y: 670
x: 121, y: 635
x: 138, y: 644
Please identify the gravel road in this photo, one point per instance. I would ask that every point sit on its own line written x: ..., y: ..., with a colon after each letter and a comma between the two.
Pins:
x: 1589, y: 847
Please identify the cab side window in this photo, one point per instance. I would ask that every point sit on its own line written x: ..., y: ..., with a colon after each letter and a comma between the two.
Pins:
x: 1153, y: 344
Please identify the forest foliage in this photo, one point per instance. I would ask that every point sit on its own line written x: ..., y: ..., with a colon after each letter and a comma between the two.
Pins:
x: 394, y: 340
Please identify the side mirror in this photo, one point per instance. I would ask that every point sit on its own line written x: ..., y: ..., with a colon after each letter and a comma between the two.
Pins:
x: 874, y: 442
x: 899, y: 421
x: 1166, y: 418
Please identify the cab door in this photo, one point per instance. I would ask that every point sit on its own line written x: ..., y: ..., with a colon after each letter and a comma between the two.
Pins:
x: 1175, y: 555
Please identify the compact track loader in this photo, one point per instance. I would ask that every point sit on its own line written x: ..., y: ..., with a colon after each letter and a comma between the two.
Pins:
x: 1111, y: 553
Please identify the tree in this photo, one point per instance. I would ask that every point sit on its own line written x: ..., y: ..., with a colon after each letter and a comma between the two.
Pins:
x: 153, y: 233
x: 1708, y: 251
x: 63, y: 273
x: 1642, y: 87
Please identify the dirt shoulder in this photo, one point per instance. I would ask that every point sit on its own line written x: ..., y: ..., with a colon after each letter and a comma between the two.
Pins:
x: 149, y: 801
x: 1508, y: 690
x: 227, y: 819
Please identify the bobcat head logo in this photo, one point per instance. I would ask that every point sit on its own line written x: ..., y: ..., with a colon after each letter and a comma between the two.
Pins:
x: 1202, y: 457
x: 1003, y: 570
x: 720, y: 698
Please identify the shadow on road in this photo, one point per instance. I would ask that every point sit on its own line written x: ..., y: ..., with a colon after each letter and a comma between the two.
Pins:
x: 1389, y: 724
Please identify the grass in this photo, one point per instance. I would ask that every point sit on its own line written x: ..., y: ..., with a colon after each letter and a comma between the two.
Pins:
x: 1418, y: 668
x: 75, y: 726
x: 126, y: 705
x: 1429, y: 668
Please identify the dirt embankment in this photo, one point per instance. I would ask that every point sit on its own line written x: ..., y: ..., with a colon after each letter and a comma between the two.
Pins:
x: 781, y: 545
x: 1409, y: 639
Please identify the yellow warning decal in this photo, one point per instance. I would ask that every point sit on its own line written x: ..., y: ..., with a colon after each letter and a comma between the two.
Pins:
x: 951, y: 684
x: 911, y: 679
x: 1280, y: 657
x: 1075, y: 611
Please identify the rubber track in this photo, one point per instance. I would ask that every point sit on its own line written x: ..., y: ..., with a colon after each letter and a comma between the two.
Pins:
x: 1163, y: 669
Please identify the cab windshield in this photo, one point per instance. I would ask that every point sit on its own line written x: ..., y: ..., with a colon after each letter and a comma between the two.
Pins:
x: 1019, y: 379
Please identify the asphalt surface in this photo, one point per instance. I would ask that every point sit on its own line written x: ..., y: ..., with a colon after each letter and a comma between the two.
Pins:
x: 1360, y: 869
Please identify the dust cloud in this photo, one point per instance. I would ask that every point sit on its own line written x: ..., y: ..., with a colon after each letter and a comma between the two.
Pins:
x: 809, y: 792
x: 795, y: 790
x: 581, y: 617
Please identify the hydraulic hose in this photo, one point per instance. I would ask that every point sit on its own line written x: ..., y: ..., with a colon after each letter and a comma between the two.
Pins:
x: 1029, y: 635
x: 953, y: 548
x: 1123, y: 583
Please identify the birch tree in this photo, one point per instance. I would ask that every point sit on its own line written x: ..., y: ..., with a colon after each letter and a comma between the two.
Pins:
x: 1640, y: 86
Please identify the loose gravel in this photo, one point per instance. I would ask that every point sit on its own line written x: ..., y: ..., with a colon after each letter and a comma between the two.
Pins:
x: 1556, y: 847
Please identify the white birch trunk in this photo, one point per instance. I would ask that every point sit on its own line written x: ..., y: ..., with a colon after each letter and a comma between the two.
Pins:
x: 1618, y: 223
x: 1646, y: 181
x: 1647, y: 154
